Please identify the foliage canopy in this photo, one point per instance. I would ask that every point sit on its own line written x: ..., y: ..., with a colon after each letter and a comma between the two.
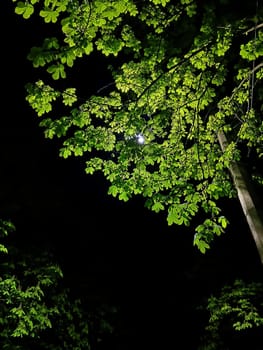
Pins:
x: 234, y: 313
x: 36, y: 310
x: 181, y: 72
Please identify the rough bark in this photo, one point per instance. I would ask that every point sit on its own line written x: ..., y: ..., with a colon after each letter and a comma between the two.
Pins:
x: 246, y: 199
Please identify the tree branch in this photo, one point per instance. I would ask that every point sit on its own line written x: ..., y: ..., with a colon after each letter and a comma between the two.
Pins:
x: 245, y: 197
x: 258, y: 26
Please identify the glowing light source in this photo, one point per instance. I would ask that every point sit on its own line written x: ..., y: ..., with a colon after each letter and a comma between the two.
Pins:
x: 140, y: 139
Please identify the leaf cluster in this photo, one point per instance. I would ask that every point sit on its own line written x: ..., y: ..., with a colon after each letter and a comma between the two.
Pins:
x: 192, y: 74
x: 236, y: 309
x: 35, y: 308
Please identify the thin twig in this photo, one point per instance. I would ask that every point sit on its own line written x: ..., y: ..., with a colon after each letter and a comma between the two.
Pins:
x: 258, y: 26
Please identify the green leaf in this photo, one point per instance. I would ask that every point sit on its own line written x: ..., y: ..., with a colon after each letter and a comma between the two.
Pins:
x: 49, y: 15
x: 3, y: 249
x: 65, y: 153
x: 57, y: 71
x: 25, y: 9
x: 175, y: 216
x: 202, y: 246
x: 223, y: 221
x: 113, y: 190
x: 157, y: 206
x: 69, y: 96
x: 124, y: 196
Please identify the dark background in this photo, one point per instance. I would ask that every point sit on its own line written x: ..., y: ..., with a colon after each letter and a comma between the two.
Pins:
x: 115, y: 252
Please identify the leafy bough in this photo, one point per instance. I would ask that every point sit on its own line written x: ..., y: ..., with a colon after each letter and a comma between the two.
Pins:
x: 175, y: 100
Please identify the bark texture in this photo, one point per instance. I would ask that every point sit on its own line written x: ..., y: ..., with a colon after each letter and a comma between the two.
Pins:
x: 246, y: 199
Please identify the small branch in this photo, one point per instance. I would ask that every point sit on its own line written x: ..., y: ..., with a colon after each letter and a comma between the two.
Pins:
x: 252, y: 71
x: 258, y: 26
x: 185, y: 59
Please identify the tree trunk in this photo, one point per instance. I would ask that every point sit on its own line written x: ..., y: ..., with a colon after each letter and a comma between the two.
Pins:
x: 247, y: 202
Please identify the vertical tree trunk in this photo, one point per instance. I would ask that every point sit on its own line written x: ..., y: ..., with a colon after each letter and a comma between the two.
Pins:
x: 246, y: 199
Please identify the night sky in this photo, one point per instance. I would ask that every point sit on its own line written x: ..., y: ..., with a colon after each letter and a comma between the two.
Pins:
x: 118, y: 252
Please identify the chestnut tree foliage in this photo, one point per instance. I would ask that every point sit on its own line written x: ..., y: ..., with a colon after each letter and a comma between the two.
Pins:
x: 235, y: 314
x: 182, y: 71
x: 36, y: 310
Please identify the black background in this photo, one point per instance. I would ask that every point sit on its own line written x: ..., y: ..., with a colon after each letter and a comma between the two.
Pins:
x: 119, y: 253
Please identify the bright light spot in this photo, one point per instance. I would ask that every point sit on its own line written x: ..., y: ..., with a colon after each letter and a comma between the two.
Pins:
x: 140, y: 139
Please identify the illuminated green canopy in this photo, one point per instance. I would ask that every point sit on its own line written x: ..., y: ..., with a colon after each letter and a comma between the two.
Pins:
x: 182, y: 71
